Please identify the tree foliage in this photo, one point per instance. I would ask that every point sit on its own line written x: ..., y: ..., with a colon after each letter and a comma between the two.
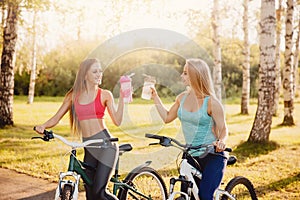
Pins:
x: 58, y: 69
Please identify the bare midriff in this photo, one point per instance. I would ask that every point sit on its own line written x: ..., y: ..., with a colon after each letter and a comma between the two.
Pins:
x: 90, y: 127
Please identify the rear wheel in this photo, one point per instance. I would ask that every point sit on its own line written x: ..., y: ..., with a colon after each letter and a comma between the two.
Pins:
x: 241, y: 189
x: 66, y: 192
x: 146, y: 181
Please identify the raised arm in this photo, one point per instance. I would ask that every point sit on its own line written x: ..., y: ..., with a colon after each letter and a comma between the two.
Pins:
x: 116, y: 114
x: 166, y: 115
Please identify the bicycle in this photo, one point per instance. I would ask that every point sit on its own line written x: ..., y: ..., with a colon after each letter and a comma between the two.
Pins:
x: 143, y: 182
x: 237, y: 188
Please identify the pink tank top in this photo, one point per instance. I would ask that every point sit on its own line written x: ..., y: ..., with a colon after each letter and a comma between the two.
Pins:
x: 93, y: 110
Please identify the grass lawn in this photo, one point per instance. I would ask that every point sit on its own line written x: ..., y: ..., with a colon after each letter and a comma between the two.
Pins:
x: 273, y: 168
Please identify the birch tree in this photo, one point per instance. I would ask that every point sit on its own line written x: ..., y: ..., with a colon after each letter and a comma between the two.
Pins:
x: 279, y: 13
x: 33, y: 62
x: 7, y: 65
x: 296, y: 60
x: 261, y: 128
x: 10, y: 36
x: 246, y: 63
x: 288, y: 69
x: 217, y: 70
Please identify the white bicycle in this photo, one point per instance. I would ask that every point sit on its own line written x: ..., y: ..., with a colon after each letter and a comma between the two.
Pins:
x: 238, y: 187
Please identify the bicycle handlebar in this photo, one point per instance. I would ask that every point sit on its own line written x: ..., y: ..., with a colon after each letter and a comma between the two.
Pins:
x: 50, y: 135
x: 167, y: 141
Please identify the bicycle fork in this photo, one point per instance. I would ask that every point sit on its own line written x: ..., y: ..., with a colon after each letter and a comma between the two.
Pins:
x: 187, y: 172
x: 63, y: 181
x: 181, y: 179
x: 72, y: 177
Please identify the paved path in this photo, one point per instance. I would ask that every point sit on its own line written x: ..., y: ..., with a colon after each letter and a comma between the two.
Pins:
x: 17, y: 186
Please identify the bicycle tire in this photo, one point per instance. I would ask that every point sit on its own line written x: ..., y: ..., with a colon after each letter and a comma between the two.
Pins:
x: 147, y: 181
x: 241, y: 188
x: 67, y: 192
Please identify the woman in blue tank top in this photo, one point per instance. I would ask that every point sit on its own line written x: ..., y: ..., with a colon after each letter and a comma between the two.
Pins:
x: 202, y: 120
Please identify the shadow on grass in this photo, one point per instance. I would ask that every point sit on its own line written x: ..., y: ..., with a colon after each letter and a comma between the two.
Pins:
x: 246, y: 150
x: 44, y: 196
x: 278, y: 185
x: 19, y: 131
x: 278, y: 126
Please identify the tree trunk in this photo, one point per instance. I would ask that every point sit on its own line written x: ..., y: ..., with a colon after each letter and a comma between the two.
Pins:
x: 7, y: 62
x: 279, y: 12
x: 288, y: 70
x: 217, y: 70
x: 246, y: 63
x: 296, y: 61
x: 261, y: 128
x: 33, y: 62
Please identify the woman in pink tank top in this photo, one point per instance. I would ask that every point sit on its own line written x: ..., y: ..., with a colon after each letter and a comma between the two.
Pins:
x: 87, y: 102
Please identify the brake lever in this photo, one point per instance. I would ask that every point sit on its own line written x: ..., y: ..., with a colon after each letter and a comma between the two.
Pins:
x: 37, y: 138
x: 156, y: 143
x: 45, y: 138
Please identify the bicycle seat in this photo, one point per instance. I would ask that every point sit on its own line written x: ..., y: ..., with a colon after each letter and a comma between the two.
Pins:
x: 231, y: 160
x: 124, y: 148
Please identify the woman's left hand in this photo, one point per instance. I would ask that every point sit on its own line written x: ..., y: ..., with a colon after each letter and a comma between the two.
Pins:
x: 220, y: 145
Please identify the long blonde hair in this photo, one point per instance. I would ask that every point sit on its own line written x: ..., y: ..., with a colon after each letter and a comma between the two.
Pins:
x: 200, y: 77
x: 79, y: 87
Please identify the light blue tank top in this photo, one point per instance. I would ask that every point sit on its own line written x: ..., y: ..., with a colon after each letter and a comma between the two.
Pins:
x: 196, y: 126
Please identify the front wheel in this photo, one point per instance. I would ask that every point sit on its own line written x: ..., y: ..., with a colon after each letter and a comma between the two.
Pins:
x: 241, y: 189
x: 67, y: 192
x: 146, y: 184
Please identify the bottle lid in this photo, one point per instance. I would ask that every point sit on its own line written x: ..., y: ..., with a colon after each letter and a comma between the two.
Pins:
x: 149, y: 78
x: 125, y: 79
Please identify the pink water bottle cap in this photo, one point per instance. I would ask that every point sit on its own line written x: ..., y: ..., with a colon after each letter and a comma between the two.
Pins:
x: 125, y: 79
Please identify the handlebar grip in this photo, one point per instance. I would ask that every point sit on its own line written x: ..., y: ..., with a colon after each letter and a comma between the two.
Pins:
x: 228, y: 149
x: 45, y: 131
x: 148, y: 135
x: 47, y: 135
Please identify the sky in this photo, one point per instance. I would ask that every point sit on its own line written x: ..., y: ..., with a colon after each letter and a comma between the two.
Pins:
x: 106, y: 18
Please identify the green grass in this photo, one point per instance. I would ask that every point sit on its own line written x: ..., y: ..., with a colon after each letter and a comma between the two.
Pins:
x: 273, y: 167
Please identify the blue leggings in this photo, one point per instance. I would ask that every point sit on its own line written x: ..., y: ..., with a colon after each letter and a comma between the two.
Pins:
x: 212, y: 168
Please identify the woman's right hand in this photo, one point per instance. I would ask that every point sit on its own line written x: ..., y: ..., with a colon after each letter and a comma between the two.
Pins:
x: 39, y: 129
x: 153, y: 92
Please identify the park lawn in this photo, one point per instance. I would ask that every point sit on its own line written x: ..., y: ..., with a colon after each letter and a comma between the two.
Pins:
x: 273, y: 168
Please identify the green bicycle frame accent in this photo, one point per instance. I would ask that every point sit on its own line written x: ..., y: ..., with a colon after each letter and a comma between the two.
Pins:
x: 118, y: 184
x: 76, y: 165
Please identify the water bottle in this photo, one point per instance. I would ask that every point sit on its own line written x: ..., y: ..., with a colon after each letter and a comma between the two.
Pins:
x: 126, y: 88
x: 149, y: 82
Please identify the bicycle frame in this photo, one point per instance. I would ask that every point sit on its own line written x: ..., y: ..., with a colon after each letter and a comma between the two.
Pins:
x: 76, y: 171
x: 188, y: 172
